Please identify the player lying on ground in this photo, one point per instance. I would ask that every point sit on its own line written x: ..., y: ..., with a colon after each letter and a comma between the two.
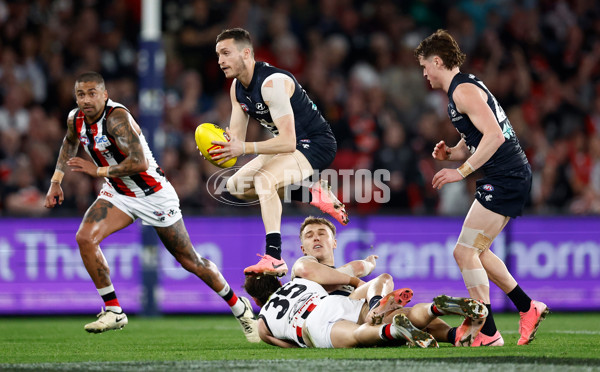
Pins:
x: 302, y: 314
x: 317, y: 236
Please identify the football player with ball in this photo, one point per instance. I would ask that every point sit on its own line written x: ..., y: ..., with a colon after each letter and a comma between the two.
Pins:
x: 302, y: 141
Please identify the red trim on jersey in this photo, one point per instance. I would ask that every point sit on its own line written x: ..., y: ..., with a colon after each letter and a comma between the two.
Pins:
x: 151, y: 181
x: 114, y: 143
x: 120, y: 185
x: 116, y: 181
x: 78, y: 122
x: 148, y: 179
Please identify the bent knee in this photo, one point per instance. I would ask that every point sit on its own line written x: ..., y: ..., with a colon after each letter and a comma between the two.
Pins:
x: 385, y: 277
x: 239, y: 186
x: 265, y: 184
x: 231, y: 186
x: 86, y: 240
x: 192, y: 263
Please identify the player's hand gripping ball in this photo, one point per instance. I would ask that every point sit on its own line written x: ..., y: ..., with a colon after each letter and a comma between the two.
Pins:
x: 205, y: 134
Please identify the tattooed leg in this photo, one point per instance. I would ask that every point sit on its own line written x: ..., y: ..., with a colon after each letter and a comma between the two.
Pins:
x: 177, y: 241
x: 101, y: 220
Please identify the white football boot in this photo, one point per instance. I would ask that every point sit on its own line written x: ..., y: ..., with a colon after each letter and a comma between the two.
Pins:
x: 107, y: 320
x: 402, y: 328
x: 249, y: 323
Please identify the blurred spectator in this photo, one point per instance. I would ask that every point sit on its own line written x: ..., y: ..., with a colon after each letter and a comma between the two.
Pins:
x: 397, y: 157
x: 13, y: 113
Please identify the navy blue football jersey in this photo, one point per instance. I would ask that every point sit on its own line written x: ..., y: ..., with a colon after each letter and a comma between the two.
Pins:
x: 509, y: 155
x: 310, y: 124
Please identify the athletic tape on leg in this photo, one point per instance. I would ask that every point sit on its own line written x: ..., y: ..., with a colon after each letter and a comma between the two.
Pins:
x: 475, y: 277
x: 473, y: 238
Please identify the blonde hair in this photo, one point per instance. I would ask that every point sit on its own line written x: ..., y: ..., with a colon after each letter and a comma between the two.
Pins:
x: 311, y: 220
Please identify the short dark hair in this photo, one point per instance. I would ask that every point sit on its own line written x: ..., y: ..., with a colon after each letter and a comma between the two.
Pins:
x: 239, y: 35
x: 443, y: 45
x: 90, y: 76
x: 310, y: 220
x: 261, y: 287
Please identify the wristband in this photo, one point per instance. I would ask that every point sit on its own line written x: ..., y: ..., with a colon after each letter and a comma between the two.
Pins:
x: 57, y: 176
x: 103, y: 171
x: 465, y: 169
x: 243, y: 148
x: 354, y: 281
x: 255, y: 150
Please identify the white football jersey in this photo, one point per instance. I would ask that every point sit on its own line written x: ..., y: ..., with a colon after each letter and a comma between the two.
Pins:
x: 104, y: 151
x: 287, y: 309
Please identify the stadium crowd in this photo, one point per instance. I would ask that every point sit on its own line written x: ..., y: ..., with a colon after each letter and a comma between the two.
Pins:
x: 540, y: 58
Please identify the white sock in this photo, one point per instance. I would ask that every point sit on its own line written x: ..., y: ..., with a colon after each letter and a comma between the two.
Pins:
x: 429, y: 312
x: 238, y: 308
x: 228, y: 295
x: 106, y: 290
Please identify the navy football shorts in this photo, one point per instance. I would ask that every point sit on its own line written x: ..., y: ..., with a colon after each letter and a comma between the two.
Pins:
x: 320, y: 155
x: 505, y: 193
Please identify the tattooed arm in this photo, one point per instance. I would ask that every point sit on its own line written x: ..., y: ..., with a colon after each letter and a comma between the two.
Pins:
x: 69, y: 146
x: 119, y: 125
x: 67, y: 151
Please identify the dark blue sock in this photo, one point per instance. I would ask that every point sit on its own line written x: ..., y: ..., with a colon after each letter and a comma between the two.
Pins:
x: 489, y: 327
x: 374, y: 301
x: 301, y: 194
x: 520, y: 299
x: 452, y: 335
x: 273, y: 248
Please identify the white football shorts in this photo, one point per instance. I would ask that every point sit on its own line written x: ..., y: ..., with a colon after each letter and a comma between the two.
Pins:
x: 330, y: 310
x: 160, y: 209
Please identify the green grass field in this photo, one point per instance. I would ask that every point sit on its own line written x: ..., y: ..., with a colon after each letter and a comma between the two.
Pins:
x: 565, y: 342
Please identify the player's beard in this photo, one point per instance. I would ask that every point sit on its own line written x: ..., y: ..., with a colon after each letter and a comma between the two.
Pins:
x: 238, y: 67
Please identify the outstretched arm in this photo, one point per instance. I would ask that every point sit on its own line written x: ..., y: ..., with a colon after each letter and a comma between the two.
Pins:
x: 324, y: 275
x: 359, y: 268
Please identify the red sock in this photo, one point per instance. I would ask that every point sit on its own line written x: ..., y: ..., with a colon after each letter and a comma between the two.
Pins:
x: 113, y: 302
x: 385, y: 332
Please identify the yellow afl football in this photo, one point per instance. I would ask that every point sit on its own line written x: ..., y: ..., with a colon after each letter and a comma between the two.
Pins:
x: 205, y: 134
